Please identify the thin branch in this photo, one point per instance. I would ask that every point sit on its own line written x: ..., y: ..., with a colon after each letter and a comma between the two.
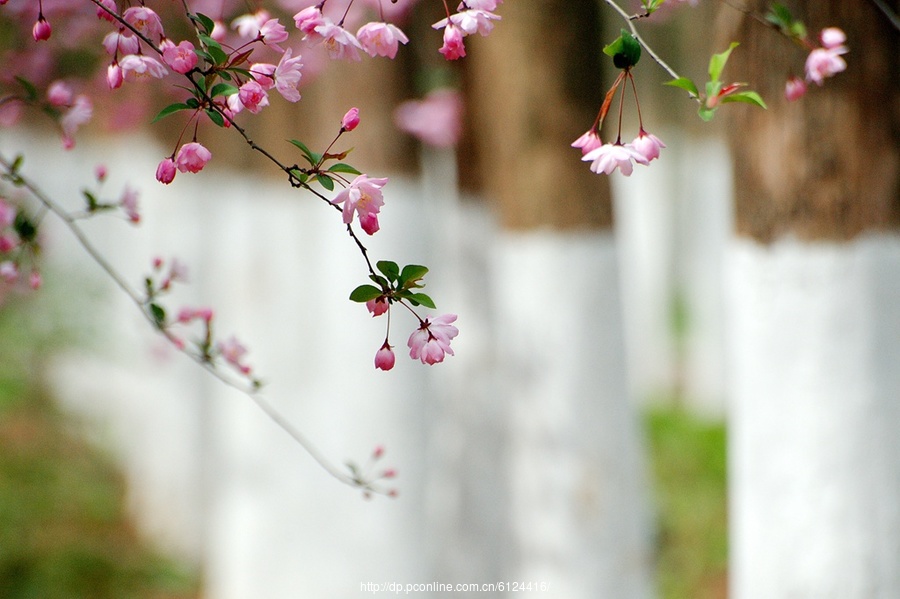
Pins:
x: 628, y: 19
x: 890, y: 14
x: 249, y: 391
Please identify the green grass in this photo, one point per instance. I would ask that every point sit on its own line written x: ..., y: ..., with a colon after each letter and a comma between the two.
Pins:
x: 64, y: 533
x: 689, y: 470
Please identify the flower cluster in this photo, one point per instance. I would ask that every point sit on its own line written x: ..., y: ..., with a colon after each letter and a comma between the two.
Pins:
x: 472, y: 16
x: 822, y: 62
x: 367, y: 480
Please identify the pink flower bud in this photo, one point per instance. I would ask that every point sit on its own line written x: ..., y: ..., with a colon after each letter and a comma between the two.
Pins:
x: 103, y: 14
x: 165, y: 172
x: 192, y: 157
x: 59, y: 94
x: 832, y: 37
x: 794, y: 89
x: 389, y: 473
x: 41, y: 30
x: 114, y: 76
x: 34, y: 280
x: 100, y: 172
x: 379, y: 451
x: 350, y: 120
x: 377, y: 306
x: 385, y: 358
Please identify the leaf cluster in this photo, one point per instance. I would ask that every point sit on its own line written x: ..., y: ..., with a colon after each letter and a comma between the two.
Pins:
x: 395, y: 284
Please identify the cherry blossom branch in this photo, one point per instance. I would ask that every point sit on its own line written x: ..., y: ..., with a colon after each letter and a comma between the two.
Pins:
x: 250, y: 390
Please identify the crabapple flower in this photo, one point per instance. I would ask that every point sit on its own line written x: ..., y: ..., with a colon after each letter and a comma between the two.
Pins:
x: 794, y: 89
x: 590, y: 140
x: 180, y: 58
x: 308, y: 20
x: 647, y: 145
x: 381, y: 39
x: 233, y: 352
x: 608, y: 157
x: 129, y: 203
x: 7, y: 214
x: 340, y: 43
x: 287, y: 76
x: 350, y: 120
x: 364, y: 197
x: 165, y: 172
x: 453, y: 47
x: 431, y: 341
x: 824, y: 62
x: 41, y: 30
x: 145, y: 21
x: 103, y: 14
x: 272, y: 33
x: 262, y: 73
x: 435, y: 120
x: 248, y: 26
x: 59, y: 94
x: 137, y: 67
x: 832, y: 37
x: 117, y: 42
x: 192, y: 157
x: 473, y: 21
x: 384, y: 358
x: 253, y: 96
x: 80, y: 113
x: 114, y: 76
x: 9, y: 272
x: 377, y: 306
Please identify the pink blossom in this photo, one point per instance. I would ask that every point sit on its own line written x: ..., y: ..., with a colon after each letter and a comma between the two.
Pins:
x: 608, y: 157
x: 364, y: 197
x: 262, y: 73
x: 41, y: 30
x: 102, y: 14
x: 137, y: 67
x: 9, y: 272
x: 129, y: 203
x: 233, y: 352
x: 187, y: 314
x: 308, y: 20
x: 435, y: 120
x: 340, y: 43
x: 273, y: 33
x: 832, y: 38
x: 453, y: 47
x: 588, y: 141
x: 287, y: 76
x: 114, y: 76
x: 7, y: 213
x: 248, y: 25
x: 824, y: 62
x: 473, y: 21
x: 794, y: 89
x: 384, y: 358
x: 219, y: 31
x: 378, y: 452
x: 192, y: 157
x: 350, y: 120
x: 381, y: 39
x: 145, y: 21
x: 34, y: 280
x: 389, y: 473
x: 165, y: 172
x: 431, y: 341
x: 8, y: 242
x: 100, y: 172
x: 180, y: 58
x: 118, y: 42
x: 59, y: 93
x: 377, y: 306
x: 647, y: 145
x: 253, y: 96
x: 480, y: 4
x: 80, y: 113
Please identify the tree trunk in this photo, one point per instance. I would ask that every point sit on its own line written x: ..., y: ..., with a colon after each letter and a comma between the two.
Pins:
x: 815, y: 317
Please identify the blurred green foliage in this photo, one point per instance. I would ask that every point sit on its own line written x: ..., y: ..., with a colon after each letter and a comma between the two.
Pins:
x: 689, y: 473
x: 64, y: 533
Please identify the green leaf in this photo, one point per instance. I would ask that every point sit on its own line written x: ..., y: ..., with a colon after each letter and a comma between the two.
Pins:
x: 223, y: 89
x: 748, y: 97
x: 205, y: 23
x: 25, y: 229
x: 411, y: 275
x: 311, y: 157
x: 706, y: 113
x: 685, y: 84
x: 171, y: 108
x: 364, y: 293
x: 92, y: 202
x: 192, y: 103
x: 159, y: 315
x: 421, y: 298
x: 342, y: 167
x: 390, y: 269
x: 215, y: 117
x: 382, y: 282
x: 325, y: 181
x: 625, y: 50
x: 717, y: 62
x: 30, y: 90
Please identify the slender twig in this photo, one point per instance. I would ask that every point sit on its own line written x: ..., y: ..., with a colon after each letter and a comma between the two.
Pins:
x: 637, y: 36
x: 250, y: 391
x: 890, y: 14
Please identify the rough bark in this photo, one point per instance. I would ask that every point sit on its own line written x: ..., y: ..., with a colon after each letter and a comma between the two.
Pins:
x: 538, y: 84
x: 827, y: 166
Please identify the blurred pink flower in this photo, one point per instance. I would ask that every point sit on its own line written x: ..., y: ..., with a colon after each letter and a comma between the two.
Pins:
x: 144, y: 20
x: 340, y: 43
x: 435, y: 120
x: 233, y: 352
x: 59, y: 93
x: 824, y: 62
x: 80, y: 113
x: 794, y: 89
